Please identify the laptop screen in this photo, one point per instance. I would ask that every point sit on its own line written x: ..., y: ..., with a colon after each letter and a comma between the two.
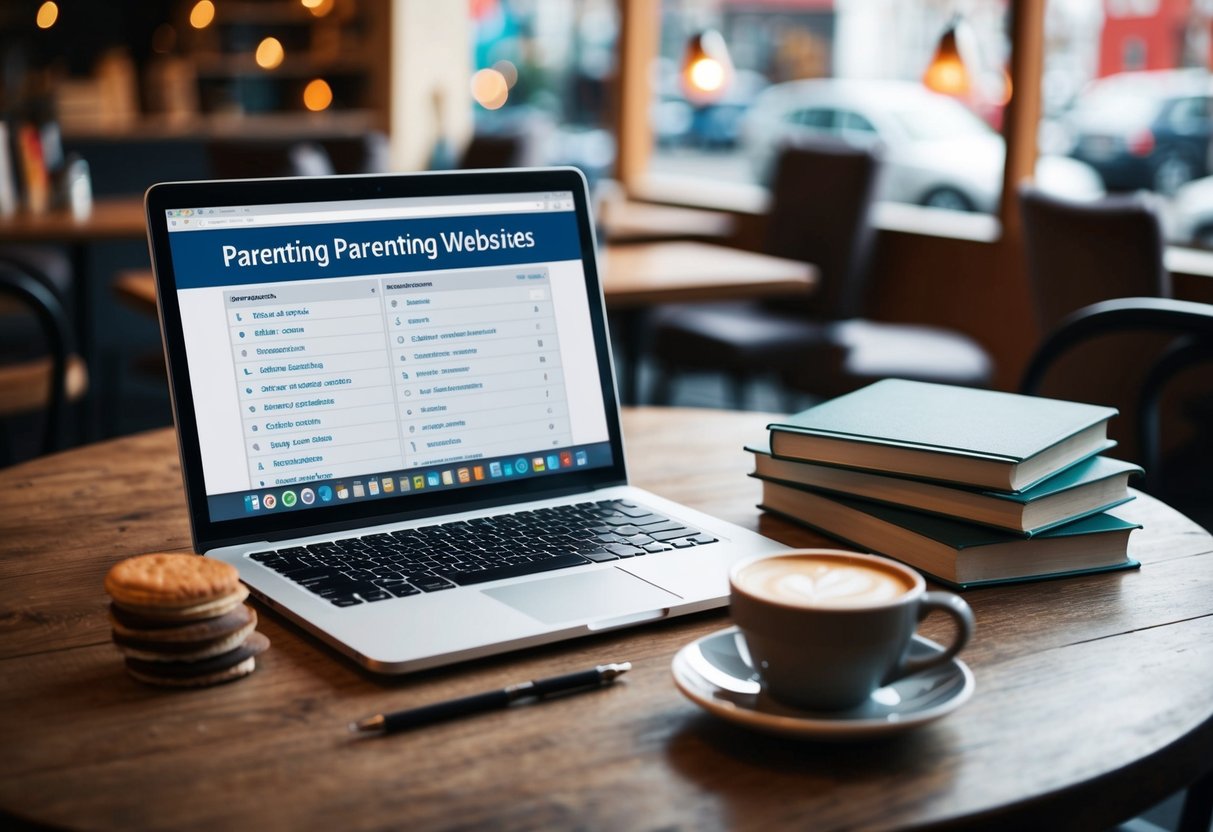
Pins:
x: 349, y: 351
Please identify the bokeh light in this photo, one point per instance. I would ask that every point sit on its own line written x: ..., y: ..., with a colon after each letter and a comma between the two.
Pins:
x: 270, y: 53
x: 490, y: 89
x: 319, y: 8
x: 48, y: 13
x: 202, y: 14
x: 317, y: 95
x: 707, y: 74
x: 508, y: 71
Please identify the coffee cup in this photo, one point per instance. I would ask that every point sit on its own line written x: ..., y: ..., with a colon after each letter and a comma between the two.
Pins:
x: 825, y: 628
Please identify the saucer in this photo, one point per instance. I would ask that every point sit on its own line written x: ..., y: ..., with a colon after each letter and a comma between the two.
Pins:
x: 714, y: 673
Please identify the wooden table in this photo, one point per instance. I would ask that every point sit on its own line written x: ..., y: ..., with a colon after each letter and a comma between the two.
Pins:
x: 628, y: 221
x: 1092, y: 695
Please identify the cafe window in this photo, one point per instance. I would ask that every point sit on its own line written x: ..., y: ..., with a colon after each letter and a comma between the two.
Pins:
x: 1127, y: 91
x: 544, y: 71
x: 853, y: 70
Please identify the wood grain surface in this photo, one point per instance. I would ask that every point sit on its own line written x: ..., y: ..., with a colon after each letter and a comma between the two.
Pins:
x: 112, y: 218
x: 1092, y: 695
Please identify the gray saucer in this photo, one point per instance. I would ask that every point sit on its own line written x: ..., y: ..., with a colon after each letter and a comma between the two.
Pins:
x: 715, y: 674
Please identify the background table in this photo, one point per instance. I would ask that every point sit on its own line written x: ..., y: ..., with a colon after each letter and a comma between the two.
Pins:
x: 1092, y: 695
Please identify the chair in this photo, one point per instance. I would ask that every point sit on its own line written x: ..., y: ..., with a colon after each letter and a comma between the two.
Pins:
x: 31, y: 380
x: 1120, y: 254
x: 821, y: 201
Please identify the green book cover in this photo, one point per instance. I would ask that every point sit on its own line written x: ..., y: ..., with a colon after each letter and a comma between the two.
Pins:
x: 954, y: 501
x: 952, y: 552
x: 947, y: 419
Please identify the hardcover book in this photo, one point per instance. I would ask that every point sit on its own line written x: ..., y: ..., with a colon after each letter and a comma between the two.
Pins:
x: 979, y: 438
x: 958, y: 554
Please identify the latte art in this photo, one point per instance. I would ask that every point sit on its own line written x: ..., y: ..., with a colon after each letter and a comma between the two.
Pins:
x: 822, y: 582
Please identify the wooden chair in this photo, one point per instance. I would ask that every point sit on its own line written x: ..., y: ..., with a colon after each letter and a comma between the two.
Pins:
x: 32, y: 383
x: 820, y: 343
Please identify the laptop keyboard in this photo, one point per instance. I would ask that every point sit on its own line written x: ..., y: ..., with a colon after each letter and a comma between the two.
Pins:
x: 358, y: 570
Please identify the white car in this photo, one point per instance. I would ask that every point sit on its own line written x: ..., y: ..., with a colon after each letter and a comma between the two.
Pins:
x: 935, y: 151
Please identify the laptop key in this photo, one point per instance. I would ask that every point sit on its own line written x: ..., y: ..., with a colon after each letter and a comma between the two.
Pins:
x: 681, y: 544
x: 624, y: 550
x: 701, y: 539
x: 375, y: 595
x: 657, y: 547
x: 431, y: 583
x: 345, y: 601
x: 671, y: 534
x: 599, y: 555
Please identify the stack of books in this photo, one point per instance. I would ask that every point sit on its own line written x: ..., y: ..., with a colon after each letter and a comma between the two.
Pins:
x: 971, y: 487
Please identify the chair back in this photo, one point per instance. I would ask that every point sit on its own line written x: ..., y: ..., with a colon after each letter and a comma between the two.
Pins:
x: 821, y: 201
x: 1080, y: 253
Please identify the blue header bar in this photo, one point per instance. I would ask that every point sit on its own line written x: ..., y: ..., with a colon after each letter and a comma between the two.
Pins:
x: 273, y: 254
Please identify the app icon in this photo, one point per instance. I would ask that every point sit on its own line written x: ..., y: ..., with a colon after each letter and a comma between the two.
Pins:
x: 448, y: 477
x: 359, y: 491
x: 464, y: 475
x: 431, y: 479
x: 507, y: 468
x: 553, y: 462
x: 343, y: 493
x: 582, y: 458
x: 537, y: 463
x: 419, y: 482
x: 389, y: 485
x: 307, y: 496
x: 288, y: 499
x: 404, y: 483
x: 566, y: 459
x: 477, y: 472
x: 325, y: 493
x: 520, y: 465
x: 494, y: 469
x: 269, y: 501
x: 252, y: 502
x: 372, y: 487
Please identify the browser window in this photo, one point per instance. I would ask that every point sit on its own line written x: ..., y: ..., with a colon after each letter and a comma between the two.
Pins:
x: 370, y: 349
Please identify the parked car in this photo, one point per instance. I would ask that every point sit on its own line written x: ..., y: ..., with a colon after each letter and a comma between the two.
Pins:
x: 1188, y: 217
x: 1145, y: 129
x: 935, y: 151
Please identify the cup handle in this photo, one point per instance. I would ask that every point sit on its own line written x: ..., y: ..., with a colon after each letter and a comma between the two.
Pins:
x: 954, y: 606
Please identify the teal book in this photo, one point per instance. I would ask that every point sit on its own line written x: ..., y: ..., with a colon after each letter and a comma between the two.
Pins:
x: 955, y: 553
x: 978, y: 438
x: 1087, y: 487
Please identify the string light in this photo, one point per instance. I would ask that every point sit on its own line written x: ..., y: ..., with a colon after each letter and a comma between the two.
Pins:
x: 317, y: 95
x: 48, y: 13
x: 270, y: 53
x: 202, y: 14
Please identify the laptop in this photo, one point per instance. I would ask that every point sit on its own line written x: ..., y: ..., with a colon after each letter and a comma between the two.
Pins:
x: 397, y: 415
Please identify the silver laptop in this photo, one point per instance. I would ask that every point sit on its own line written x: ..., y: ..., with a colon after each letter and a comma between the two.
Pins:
x: 397, y: 414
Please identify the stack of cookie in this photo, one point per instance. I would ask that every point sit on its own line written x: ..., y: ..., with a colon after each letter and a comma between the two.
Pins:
x: 181, y: 620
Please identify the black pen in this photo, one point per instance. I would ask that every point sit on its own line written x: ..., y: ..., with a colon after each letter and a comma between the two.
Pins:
x: 494, y: 700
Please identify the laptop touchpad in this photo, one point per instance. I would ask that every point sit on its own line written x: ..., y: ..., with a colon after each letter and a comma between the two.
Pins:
x: 588, y: 596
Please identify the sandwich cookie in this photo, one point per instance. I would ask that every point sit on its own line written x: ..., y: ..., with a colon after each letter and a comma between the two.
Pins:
x: 225, y: 667
x: 209, y: 638
x: 175, y: 586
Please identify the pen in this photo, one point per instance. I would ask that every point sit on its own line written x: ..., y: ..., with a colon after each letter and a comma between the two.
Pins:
x: 493, y: 700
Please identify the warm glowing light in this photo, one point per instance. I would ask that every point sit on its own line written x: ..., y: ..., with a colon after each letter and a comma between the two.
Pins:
x: 319, y: 8
x: 311, y: 4
x: 48, y: 13
x: 947, y: 72
x: 707, y: 68
x: 706, y: 74
x: 317, y: 95
x: 1007, y: 89
x: 202, y: 14
x: 508, y: 71
x: 490, y: 89
x: 270, y: 53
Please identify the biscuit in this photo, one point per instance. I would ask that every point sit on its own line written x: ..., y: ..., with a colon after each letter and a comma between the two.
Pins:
x: 225, y: 667
x: 180, y: 651
x: 157, y: 629
x: 170, y: 581
x: 204, y: 610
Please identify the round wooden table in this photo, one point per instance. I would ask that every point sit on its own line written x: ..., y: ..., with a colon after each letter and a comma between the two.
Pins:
x: 1093, y: 694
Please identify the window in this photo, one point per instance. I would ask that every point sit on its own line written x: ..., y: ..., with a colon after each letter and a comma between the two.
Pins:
x: 852, y: 70
x: 1126, y: 91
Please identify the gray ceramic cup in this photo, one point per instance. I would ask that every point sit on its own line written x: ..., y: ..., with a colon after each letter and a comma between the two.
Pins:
x: 816, y: 655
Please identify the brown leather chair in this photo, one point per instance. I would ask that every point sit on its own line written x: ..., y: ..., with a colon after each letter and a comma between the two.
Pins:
x: 820, y: 343
x: 1080, y: 253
